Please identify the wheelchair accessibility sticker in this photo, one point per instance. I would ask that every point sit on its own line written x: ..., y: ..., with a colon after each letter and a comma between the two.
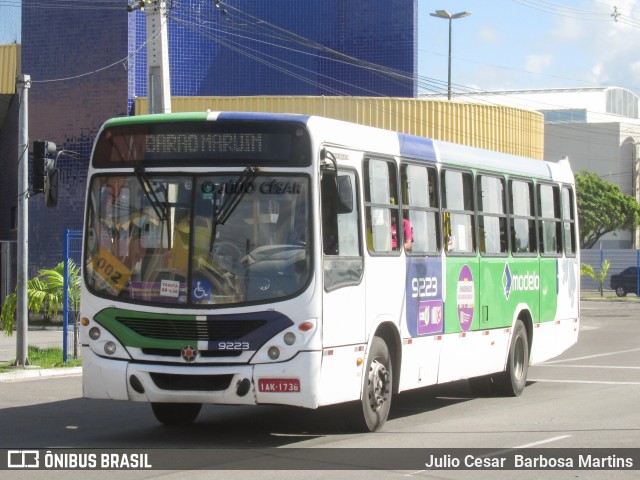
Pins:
x: 201, y: 290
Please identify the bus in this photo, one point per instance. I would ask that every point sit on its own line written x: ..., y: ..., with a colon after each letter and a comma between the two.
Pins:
x: 261, y: 258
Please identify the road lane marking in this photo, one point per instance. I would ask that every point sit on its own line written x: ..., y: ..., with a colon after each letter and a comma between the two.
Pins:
x: 533, y: 444
x: 621, y: 367
x: 594, y: 382
x: 590, y: 356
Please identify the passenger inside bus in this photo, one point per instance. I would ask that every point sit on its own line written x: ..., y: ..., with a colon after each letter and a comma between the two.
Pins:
x: 408, y: 234
x: 407, y: 230
x: 120, y: 227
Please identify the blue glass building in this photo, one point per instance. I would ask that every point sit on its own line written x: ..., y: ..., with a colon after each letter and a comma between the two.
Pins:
x: 87, y: 63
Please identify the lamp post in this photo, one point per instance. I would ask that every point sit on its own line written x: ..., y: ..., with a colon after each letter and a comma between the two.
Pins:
x: 447, y: 16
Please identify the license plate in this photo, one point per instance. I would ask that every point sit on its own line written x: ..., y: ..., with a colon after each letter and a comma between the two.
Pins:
x: 279, y: 385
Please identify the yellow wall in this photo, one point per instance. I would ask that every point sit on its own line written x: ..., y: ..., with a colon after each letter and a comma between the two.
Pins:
x: 493, y: 127
x: 9, y: 68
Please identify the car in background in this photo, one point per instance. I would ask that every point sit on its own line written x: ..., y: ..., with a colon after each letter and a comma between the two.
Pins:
x: 624, y: 282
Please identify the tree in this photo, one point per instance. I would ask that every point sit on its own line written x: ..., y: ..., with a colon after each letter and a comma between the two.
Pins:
x: 586, y: 269
x: 45, y: 293
x: 603, y: 208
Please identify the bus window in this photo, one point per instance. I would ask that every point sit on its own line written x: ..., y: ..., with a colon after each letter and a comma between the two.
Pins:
x: 569, y: 222
x: 492, y: 215
x: 382, y: 206
x: 550, y: 219
x: 523, y: 232
x: 420, y: 207
x: 343, y: 262
x: 458, y: 212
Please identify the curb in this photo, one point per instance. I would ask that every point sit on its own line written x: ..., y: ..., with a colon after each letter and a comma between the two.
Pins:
x: 44, y: 373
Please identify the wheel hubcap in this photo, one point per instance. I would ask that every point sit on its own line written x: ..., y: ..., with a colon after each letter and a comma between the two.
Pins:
x: 378, y: 385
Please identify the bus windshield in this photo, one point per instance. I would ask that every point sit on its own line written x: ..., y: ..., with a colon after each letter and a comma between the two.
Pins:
x: 202, y: 240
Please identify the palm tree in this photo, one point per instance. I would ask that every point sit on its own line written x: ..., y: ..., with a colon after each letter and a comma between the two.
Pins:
x: 45, y: 293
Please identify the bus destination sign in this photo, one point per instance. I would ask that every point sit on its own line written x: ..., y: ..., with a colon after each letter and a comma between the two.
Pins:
x: 202, y: 143
x: 196, y: 143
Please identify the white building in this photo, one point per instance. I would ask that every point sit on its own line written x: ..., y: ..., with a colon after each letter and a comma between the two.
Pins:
x: 597, y: 128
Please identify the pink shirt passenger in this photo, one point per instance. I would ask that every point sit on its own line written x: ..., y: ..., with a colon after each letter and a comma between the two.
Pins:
x: 408, y: 235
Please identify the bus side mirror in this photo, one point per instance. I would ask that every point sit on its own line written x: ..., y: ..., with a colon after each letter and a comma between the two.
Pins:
x: 345, y: 195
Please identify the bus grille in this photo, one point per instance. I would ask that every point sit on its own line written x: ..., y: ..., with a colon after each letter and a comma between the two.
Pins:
x: 172, y: 352
x: 189, y: 330
x: 206, y: 383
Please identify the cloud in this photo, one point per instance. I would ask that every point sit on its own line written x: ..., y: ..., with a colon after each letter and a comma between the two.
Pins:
x: 538, y: 63
x: 635, y: 69
x: 603, y: 52
x: 489, y: 35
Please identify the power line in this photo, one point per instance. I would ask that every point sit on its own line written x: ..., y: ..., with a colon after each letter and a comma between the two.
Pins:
x: 65, y: 4
x: 118, y: 62
x: 248, y: 28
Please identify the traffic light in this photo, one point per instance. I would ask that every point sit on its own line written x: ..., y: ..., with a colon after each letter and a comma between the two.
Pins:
x: 41, y: 151
x: 51, y: 187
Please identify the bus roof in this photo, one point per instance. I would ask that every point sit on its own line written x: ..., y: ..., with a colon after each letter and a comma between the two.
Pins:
x: 408, y: 146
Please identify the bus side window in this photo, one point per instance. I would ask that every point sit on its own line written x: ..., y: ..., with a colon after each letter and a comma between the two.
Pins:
x: 522, y: 222
x: 420, y: 207
x: 343, y: 262
x: 550, y: 219
x: 569, y: 222
x: 382, y: 210
x: 329, y: 192
x: 339, y: 224
x: 492, y: 215
x: 458, y: 212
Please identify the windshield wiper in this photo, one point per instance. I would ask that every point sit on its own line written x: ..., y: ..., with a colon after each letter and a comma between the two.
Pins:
x: 230, y: 201
x: 161, y: 208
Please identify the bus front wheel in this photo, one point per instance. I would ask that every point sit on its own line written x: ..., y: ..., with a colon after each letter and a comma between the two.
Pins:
x: 513, y: 380
x: 175, y: 414
x: 375, y: 403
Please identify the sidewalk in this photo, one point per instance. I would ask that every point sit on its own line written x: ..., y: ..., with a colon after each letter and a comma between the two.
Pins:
x: 43, y: 337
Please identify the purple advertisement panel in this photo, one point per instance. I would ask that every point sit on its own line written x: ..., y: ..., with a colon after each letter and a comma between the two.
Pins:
x: 425, y: 309
x: 465, y: 298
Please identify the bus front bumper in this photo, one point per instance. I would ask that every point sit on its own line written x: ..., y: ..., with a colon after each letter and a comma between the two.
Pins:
x: 294, y: 382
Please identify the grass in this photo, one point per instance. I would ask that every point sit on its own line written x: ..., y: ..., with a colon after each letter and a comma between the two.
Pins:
x: 44, y: 358
x: 597, y: 296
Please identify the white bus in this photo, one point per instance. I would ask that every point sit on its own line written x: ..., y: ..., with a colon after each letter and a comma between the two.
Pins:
x: 247, y: 258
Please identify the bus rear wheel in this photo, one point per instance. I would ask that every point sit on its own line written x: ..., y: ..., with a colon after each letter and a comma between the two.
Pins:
x: 176, y: 414
x: 375, y: 403
x: 513, y: 380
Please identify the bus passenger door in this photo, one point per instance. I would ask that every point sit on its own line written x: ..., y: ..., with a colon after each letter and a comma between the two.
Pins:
x: 343, y: 306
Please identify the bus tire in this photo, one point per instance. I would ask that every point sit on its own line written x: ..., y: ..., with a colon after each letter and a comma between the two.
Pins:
x: 375, y: 402
x: 512, y: 381
x: 176, y: 414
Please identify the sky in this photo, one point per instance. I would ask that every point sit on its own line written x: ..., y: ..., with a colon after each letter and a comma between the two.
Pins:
x: 508, y: 44
x: 530, y: 44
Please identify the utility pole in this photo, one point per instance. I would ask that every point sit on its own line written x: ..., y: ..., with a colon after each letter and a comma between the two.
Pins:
x: 23, y: 84
x: 158, y: 83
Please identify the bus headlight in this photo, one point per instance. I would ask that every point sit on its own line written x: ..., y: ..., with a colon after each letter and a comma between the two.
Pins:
x: 94, y: 333
x: 289, y: 338
x: 110, y: 348
x: 274, y: 353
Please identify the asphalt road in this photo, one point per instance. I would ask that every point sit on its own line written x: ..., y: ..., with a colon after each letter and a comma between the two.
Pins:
x: 586, y: 398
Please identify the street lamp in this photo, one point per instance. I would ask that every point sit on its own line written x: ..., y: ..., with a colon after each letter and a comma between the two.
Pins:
x: 447, y: 16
